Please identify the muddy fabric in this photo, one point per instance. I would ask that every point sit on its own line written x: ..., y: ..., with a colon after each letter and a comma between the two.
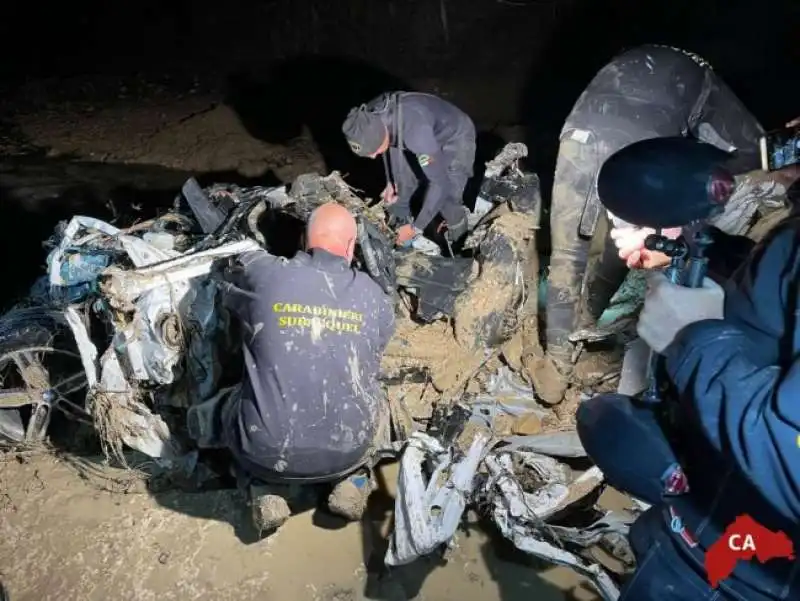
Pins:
x: 314, y: 332
x: 649, y: 91
x: 432, y: 143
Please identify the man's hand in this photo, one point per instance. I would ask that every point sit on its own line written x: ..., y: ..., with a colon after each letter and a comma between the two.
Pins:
x: 405, y: 234
x: 668, y: 308
x: 630, y: 244
x: 389, y: 194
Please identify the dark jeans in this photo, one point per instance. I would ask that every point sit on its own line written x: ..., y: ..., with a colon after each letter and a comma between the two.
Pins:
x: 662, y: 571
x: 626, y: 441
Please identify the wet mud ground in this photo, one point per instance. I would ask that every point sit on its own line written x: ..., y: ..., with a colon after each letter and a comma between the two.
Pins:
x: 66, y: 537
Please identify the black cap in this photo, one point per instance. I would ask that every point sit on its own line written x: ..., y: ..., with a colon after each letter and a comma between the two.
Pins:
x: 665, y: 182
x: 364, y: 131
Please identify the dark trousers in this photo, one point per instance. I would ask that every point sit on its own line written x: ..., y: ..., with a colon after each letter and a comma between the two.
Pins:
x: 460, y: 155
x: 627, y: 442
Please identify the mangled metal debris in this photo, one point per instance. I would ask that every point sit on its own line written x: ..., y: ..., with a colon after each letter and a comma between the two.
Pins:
x: 152, y: 287
x: 520, y: 482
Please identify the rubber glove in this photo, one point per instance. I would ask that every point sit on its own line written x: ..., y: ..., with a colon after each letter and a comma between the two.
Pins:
x: 668, y: 308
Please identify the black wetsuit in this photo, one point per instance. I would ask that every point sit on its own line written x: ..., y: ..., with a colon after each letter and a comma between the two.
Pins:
x: 431, y: 142
x: 314, y: 332
x: 647, y: 92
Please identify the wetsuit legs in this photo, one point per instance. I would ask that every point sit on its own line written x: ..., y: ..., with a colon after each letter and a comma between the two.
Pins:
x: 574, y: 180
x: 459, y: 172
x: 602, y: 281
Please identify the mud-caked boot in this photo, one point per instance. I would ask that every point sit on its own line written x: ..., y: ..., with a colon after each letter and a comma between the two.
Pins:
x: 348, y: 499
x: 549, y: 378
x: 269, y: 510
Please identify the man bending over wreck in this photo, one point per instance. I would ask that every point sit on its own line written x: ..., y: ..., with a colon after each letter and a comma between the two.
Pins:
x: 311, y: 409
x: 647, y: 92
x: 441, y: 139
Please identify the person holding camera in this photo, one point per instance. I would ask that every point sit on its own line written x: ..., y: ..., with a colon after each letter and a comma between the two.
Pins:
x: 724, y: 441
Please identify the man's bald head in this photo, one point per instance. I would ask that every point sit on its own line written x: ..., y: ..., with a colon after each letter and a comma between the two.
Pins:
x: 332, y: 228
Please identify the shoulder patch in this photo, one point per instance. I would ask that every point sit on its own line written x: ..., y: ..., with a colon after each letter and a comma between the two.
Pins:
x: 424, y: 160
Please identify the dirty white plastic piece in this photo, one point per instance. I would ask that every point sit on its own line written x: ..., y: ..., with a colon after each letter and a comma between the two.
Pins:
x: 428, y: 510
x: 425, y: 246
x: 482, y: 206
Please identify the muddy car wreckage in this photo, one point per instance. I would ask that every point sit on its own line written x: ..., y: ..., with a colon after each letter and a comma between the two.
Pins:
x: 125, y: 333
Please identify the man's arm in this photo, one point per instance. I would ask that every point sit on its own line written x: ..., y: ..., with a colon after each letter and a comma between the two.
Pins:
x: 422, y: 142
x: 236, y: 279
x: 749, y: 411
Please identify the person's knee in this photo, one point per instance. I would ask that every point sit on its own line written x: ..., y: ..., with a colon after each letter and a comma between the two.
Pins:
x: 600, y: 413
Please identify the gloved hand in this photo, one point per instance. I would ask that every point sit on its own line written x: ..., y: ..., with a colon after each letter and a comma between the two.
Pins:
x: 629, y: 241
x: 668, y: 308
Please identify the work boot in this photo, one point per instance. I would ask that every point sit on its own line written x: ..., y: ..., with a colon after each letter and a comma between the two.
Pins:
x: 269, y: 510
x: 348, y: 499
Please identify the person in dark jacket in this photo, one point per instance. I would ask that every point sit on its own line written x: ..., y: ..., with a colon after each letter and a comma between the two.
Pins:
x: 422, y: 140
x: 314, y: 330
x: 724, y: 441
x: 648, y: 92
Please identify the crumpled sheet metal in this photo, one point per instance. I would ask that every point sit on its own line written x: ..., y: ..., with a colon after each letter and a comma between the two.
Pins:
x: 520, y: 515
x: 134, y: 424
x: 173, y: 311
x: 164, y: 295
x: 428, y: 511
x: 69, y: 239
x: 505, y: 395
x: 536, y: 546
x: 558, y: 489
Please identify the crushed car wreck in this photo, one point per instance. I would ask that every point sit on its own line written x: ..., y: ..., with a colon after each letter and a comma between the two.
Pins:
x: 135, y: 309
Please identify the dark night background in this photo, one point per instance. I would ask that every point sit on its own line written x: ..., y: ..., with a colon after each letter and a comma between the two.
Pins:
x: 282, y: 64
